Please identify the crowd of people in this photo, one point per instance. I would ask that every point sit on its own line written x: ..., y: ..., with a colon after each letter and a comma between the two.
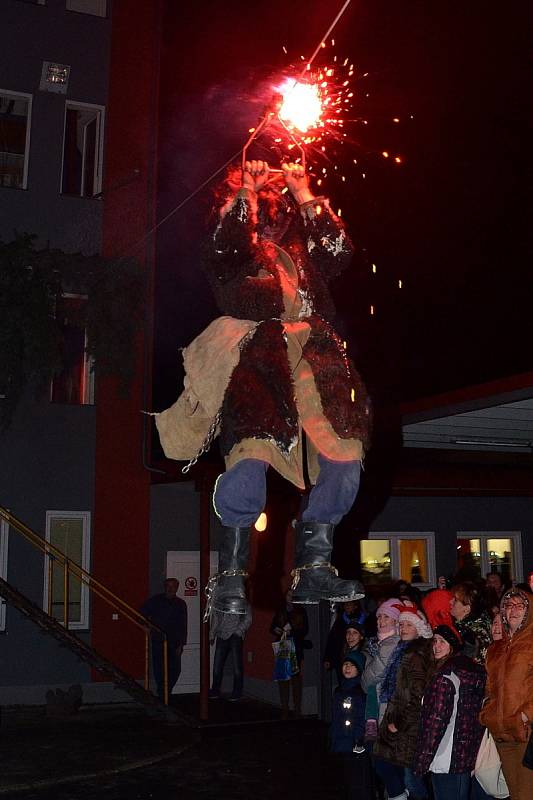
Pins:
x: 422, y: 680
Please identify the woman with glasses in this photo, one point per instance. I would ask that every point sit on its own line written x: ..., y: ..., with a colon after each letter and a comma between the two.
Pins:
x: 508, y: 710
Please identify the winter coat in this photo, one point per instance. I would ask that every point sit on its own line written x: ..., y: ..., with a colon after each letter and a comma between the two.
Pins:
x: 289, y: 369
x: 476, y: 635
x: 405, y: 707
x: 457, y: 688
x: 510, y: 679
x: 348, y: 716
x: 377, y: 655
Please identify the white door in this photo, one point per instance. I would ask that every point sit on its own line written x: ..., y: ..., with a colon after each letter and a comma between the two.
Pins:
x: 185, y: 566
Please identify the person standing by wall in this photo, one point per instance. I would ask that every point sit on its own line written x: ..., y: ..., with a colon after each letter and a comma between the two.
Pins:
x: 291, y: 620
x: 228, y: 631
x: 168, y: 612
x: 508, y: 711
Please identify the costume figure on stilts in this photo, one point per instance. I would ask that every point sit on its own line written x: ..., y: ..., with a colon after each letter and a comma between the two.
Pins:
x: 269, y: 370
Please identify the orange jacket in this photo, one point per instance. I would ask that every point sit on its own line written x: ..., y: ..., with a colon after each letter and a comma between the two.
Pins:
x: 510, y: 680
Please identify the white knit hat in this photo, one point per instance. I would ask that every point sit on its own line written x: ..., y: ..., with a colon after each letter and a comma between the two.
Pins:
x: 411, y: 614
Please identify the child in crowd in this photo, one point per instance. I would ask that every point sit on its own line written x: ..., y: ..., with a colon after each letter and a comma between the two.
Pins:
x: 348, y: 729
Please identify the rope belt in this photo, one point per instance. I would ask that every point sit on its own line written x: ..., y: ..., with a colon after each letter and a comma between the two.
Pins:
x: 295, y: 574
x: 212, y: 583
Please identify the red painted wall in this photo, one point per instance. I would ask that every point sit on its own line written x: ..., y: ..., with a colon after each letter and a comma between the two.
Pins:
x: 122, y: 488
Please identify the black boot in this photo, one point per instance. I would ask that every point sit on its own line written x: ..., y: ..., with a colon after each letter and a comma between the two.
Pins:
x: 226, y: 591
x: 315, y: 578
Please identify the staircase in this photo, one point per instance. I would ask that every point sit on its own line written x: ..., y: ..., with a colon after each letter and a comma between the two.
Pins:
x: 59, y: 630
x: 80, y: 648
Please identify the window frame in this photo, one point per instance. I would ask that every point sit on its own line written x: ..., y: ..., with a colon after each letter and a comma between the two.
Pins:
x: 98, y: 149
x: 4, y: 547
x: 88, y: 13
x: 83, y: 624
x: 395, y: 537
x: 29, y: 98
x: 484, y: 536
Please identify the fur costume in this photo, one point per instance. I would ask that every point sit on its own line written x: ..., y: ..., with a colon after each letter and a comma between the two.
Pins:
x: 292, y: 369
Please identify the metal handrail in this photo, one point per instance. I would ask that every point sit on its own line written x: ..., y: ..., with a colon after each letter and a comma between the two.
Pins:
x: 53, y: 553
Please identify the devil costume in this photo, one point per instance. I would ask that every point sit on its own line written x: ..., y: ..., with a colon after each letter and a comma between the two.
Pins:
x: 269, y: 370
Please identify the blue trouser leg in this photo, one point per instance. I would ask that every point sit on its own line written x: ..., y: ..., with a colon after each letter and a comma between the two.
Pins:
x: 391, y: 775
x: 450, y: 786
x: 334, y: 492
x: 240, y: 493
x: 415, y: 784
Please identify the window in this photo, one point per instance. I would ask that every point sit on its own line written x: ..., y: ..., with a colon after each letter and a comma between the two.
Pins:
x: 75, y: 383
x: 15, y: 115
x: 82, y: 150
x: 95, y: 7
x: 4, y: 534
x: 391, y: 556
x: 69, y: 531
x: 54, y: 77
x: 482, y: 552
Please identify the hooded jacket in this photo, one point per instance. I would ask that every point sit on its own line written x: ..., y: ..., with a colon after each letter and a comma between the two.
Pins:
x: 348, y: 716
x: 450, y: 708
x: 510, y: 677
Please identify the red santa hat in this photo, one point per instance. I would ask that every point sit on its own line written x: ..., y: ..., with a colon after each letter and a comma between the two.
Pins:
x: 410, y: 613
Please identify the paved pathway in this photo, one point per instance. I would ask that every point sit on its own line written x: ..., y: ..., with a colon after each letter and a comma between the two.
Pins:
x: 238, y: 762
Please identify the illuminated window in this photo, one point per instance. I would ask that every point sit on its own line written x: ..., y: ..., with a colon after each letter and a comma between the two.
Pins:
x: 391, y: 556
x: 95, y: 7
x: 4, y: 537
x: 69, y: 532
x: 495, y: 551
x: 15, y: 115
x: 74, y: 384
x: 82, y: 150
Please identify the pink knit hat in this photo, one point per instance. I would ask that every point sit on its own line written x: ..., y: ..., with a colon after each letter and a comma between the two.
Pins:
x: 391, y: 608
x: 411, y: 614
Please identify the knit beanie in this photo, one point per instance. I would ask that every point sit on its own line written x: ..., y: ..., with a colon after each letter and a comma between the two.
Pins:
x: 449, y: 635
x: 356, y: 627
x: 415, y: 617
x: 391, y: 608
x: 356, y: 658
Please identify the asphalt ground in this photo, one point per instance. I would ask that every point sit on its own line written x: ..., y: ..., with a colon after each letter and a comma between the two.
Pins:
x: 121, y: 754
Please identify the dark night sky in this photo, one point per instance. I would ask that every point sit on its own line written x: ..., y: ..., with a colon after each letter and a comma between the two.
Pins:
x: 452, y: 222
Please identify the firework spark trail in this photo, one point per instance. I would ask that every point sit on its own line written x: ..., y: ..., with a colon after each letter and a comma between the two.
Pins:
x: 217, y: 172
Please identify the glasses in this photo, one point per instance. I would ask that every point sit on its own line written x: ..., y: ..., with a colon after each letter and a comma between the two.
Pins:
x: 519, y: 606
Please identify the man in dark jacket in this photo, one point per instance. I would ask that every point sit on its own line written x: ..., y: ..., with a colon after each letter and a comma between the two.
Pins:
x: 169, y: 613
